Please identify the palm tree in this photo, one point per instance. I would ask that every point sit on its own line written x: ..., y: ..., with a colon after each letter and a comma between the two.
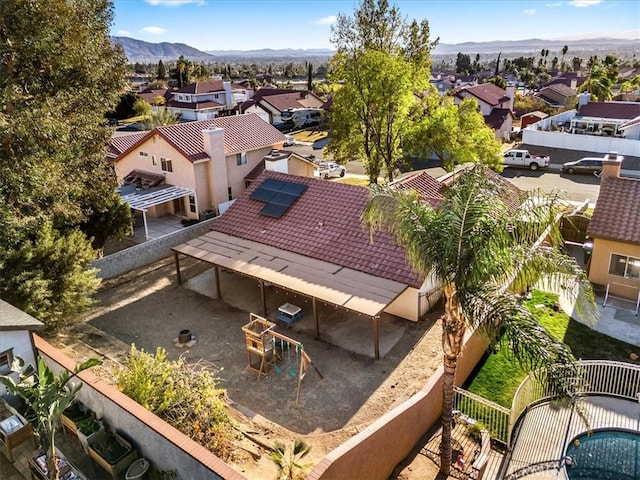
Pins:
x: 598, y: 84
x: 48, y: 395
x: 289, y: 466
x: 482, y: 252
x: 565, y: 49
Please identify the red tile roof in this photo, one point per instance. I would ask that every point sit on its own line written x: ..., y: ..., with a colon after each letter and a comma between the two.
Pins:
x: 617, y: 212
x: 194, y: 105
x: 618, y: 110
x: 428, y: 188
x: 242, y: 133
x: 487, y: 92
x: 121, y: 143
x: 206, y: 87
x: 282, y: 102
x: 324, y: 223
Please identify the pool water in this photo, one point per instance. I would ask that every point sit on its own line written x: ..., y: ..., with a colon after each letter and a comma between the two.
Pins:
x: 605, y: 455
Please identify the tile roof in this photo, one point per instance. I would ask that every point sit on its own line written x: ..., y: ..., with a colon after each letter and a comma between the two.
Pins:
x: 487, y: 92
x: 242, y: 133
x: 121, y: 143
x: 428, y: 188
x: 150, y: 94
x: 616, y: 215
x: 202, y: 87
x: 282, y: 102
x: 566, y: 81
x: 618, y: 110
x: 324, y: 223
x: 497, y: 117
x: 560, y: 88
x: 194, y: 105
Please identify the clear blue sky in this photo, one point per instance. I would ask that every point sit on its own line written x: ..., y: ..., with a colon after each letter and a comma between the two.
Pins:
x: 255, y: 24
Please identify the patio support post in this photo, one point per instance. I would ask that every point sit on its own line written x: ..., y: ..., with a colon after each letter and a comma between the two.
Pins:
x: 218, y: 291
x: 376, y: 339
x: 176, y: 258
x: 146, y: 229
x: 315, y: 316
x: 263, y: 296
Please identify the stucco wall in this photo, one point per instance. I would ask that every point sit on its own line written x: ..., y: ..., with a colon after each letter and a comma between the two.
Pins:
x: 374, y: 452
x: 165, y: 447
x: 599, y: 268
x: 236, y: 173
x: 588, y: 143
x: 406, y: 305
x: 148, y: 252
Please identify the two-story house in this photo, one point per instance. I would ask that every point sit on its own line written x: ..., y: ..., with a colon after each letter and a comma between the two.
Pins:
x: 189, y: 168
x: 206, y: 100
x: 495, y: 103
x: 269, y: 103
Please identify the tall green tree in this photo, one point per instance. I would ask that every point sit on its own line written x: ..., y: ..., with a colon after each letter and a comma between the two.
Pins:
x: 48, y: 395
x: 367, y: 112
x: 453, y: 133
x: 161, y: 73
x: 58, y: 78
x: 482, y: 252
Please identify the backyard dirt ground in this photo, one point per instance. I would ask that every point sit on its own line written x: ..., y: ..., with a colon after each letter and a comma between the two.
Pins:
x: 148, y: 308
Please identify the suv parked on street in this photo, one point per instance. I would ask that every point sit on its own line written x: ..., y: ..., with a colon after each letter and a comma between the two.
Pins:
x: 584, y: 165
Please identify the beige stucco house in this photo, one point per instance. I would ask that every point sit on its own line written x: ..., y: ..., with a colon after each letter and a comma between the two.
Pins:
x: 615, y: 231
x: 495, y: 104
x: 191, y: 168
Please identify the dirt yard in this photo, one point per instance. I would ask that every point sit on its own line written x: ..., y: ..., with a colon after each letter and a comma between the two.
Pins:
x: 148, y: 308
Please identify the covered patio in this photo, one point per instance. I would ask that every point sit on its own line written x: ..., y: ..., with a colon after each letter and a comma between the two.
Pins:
x: 345, y: 288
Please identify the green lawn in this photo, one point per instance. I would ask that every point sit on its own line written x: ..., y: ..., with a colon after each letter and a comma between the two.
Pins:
x: 499, y: 377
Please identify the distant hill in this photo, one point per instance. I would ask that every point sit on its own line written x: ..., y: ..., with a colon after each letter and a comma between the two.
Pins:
x: 145, y: 52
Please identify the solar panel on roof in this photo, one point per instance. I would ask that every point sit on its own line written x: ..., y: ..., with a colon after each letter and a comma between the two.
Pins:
x: 278, y: 196
x: 274, y: 210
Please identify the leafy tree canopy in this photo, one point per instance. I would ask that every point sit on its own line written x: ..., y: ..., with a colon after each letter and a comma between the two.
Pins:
x: 57, y: 80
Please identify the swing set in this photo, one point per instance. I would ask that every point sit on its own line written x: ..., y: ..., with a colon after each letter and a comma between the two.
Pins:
x: 266, y: 347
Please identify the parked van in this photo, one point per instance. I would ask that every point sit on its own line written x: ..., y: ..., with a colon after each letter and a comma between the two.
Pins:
x: 302, y: 117
x: 584, y: 165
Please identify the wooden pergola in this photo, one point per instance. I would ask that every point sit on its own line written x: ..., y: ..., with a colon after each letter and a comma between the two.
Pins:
x: 355, y: 291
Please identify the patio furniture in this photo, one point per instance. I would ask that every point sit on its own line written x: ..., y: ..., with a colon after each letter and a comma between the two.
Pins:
x: 289, y: 313
x: 15, y: 430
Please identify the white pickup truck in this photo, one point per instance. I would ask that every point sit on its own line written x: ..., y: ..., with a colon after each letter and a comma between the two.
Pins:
x: 329, y: 169
x: 522, y: 158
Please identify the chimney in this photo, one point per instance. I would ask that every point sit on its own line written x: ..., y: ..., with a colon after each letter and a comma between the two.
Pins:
x: 511, y: 93
x: 611, y: 165
x: 574, y: 83
x: 583, y: 99
x: 228, y: 94
x: 213, y: 139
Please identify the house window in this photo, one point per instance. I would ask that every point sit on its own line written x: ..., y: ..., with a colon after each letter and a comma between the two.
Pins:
x: 230, y: 194
x: 187, y: 98
x: 241, y: 158
x: 144, y: 154
x: 624, y: 266
x: 6, y: 358
x: 153, y: 159
x: 192, y: 204
x: 215, y: 95
x: 166, y: 165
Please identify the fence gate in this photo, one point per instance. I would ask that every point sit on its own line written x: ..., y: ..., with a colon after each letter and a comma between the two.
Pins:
x: 574, y: 228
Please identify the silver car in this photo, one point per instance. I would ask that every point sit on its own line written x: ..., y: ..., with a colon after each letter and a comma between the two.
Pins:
x: 584, y: 165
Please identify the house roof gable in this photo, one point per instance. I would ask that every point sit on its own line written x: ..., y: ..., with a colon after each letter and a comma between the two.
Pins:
x: 428, y: 188
x: 323, y: 223
x: 497, y: 117
x: 616, y: 215
x: 487, y: 92
x: 121, y: 143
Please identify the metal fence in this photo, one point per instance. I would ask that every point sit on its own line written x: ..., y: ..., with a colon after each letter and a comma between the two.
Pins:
x: 597, y: 377
x: 475, y: 410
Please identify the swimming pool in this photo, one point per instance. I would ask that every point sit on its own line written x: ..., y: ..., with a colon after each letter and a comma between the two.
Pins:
x: 604, y: 455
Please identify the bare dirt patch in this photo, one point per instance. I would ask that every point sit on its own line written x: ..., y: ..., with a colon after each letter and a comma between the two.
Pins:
x: 148, y: 308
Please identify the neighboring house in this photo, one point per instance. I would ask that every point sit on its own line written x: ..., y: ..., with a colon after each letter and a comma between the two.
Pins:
x: 16, y: 337
x: 201, y: 165
x: 531, y: 118
x: 121, y: 142
x: 495, y: 104
x: 558, y: 95
x: 206, y: 100
x: 595, y: 126
x: 615, y: 231
x: 269, y: 103
x: 151, y: 96
x: 573, y: 80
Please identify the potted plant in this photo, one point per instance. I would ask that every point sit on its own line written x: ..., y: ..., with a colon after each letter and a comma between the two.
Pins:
x: 111, y: 451
x: 86, y: 429
x: 72, y: 415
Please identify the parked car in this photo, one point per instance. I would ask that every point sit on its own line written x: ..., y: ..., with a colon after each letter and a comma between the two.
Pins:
x: 330, y: 169
x: 522, y: 158
x: 584, y: 165
x: 290, y: 141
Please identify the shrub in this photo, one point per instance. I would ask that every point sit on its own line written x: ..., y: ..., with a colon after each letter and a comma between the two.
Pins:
x: 185, y: 395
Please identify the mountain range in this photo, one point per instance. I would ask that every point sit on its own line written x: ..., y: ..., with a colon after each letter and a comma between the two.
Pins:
x: 140, y: 51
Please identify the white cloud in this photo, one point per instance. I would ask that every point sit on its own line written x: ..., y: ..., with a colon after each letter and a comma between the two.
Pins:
x: 154, y: 30
x: 530, y: 11
x: 326, y: 20
x: 124, y: 33
x: 174, y: 3
x: 553, y: 5
x: 584, y: 3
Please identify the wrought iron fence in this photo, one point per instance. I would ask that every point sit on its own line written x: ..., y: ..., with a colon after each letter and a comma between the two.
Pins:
x: 475, y: 410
